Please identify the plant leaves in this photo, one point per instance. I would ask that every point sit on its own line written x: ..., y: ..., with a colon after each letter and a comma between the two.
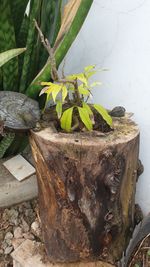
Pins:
x: 82, y: 90
x: 69, y: 13
x: 66, y: 119
x: 7, y: 41
x: 64, y: 93
x: 9, y: 54
x: 88, y: 68
x: 5, y: 143
x: 103, y: 112
x: 55, y: 92
x: 45, y: 74
x: 84, y: 116
x: 95, y: 84
x: 81, y: 77
x: 90, y: 73
x: 29, y: 57
x: 18, y: 9
x: 87, y: 107
x: 59, y: 108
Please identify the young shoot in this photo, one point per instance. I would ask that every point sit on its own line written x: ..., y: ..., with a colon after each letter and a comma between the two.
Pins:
x: 74, y: 91
x: 70, y: 95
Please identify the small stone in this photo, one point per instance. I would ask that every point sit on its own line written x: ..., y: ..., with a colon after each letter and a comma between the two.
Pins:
x: 28, y: 236
x: 8, y: 241
x: 117, y: 112
x: 4, y: 245
x: 35, y: 229
x: 8, y: 250
x: 8, y: 235
x: 13, y: 213
x: 17, y: 242
x: 21, y: 208
x: 5, y: 216
x: 25, y: 226
x: 27, y: 205
x: 29, y: 212
x: 1, y: 251
x: 1, y: 236
x: 18, y: 232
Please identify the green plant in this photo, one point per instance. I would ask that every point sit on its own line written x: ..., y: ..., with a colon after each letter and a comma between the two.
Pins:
x: 8, y: 55
x: 17, y: 29
x: 74, y: 91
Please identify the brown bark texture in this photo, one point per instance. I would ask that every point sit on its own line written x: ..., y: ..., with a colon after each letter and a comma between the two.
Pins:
x: 86, y: 187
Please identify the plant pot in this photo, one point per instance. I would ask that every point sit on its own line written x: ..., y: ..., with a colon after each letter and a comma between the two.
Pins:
x: 86, y: 187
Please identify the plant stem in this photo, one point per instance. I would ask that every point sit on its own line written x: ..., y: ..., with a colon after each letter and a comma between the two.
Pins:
x: 46, y: 44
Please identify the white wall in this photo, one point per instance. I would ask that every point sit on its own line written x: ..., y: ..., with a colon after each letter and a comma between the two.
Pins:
x: 116, y: 35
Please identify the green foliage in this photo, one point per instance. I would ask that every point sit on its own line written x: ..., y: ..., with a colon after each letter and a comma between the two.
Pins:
x: 5, y: 143
x: 62, y: 47
x: 24, y: 73
x: 9, y: 54
x: 74, y: 91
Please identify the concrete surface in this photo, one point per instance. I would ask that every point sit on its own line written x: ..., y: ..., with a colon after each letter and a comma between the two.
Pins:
x: 12, y: 191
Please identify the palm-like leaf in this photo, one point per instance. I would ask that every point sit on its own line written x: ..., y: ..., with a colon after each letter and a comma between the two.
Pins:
x: 18, y: 10
x: 7, y: 55
x: 31, y: 46
x: 7, y: 41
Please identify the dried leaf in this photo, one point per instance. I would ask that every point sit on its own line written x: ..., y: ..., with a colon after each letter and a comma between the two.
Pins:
x: 70, y: 11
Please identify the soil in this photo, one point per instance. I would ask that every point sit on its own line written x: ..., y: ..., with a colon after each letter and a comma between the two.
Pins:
x: 17, y: 224
x: 100, y: 124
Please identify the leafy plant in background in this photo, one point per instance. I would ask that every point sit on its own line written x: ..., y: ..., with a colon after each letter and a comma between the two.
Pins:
x: 25, y: 73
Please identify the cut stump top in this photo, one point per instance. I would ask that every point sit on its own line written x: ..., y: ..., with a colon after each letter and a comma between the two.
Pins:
x: 124, y: 131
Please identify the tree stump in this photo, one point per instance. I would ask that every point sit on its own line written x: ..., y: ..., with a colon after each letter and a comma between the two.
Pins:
x: 87, y: 187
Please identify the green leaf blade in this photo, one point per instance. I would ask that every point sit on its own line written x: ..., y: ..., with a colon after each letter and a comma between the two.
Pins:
x: 7, y: 41
x: 87, y: 107
x: 84, y: 116
x: 9, y: 54
x: 59, y: 109
x: 103, y: 112
x: 66, y: 119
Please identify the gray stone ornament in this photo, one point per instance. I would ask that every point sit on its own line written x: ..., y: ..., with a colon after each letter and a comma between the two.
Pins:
x: 17, y: 111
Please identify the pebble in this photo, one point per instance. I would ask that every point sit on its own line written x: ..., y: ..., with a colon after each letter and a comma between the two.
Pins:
x: 8, y: 235
x: 35, y: 229
x: 118, y: 112
x: 28, y: 236
x: 17, y: 242
x: 1, y: 251
x: 8, y: 250
x: 8, y: 241
x: 19, y: 219
x: 1, y: 236
x: 24, y: 226
x: 4, y: 244
x: 18, y: 232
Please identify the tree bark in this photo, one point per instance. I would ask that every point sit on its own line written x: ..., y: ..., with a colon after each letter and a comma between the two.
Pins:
x: 86, y: 187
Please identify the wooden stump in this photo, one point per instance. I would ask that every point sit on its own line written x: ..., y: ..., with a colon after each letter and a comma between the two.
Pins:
x: 86, y: 187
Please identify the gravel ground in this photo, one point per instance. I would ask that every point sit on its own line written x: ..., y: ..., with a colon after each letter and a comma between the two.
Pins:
x: 17, y: 224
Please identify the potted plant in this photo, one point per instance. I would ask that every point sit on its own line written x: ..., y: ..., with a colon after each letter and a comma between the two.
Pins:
x: 86, y: 163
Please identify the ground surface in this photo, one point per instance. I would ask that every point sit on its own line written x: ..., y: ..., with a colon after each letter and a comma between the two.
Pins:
x: 17, y: 224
